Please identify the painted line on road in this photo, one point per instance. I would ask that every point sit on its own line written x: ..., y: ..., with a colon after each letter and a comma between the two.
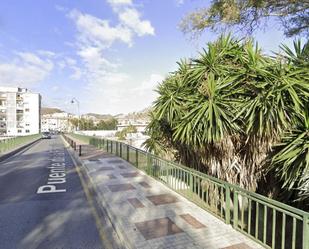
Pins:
x: 105, y: 241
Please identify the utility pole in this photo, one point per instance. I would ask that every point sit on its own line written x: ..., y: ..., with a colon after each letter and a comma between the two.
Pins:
x: 74, y: 100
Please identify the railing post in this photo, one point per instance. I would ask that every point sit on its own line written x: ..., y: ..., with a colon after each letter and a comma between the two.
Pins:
x: 136, y: 156
x: 235, y: 209
x: 227, y: 205
x: 80, y: 150
x: 128, y: 153
x: 149, y: 165
x: 120, y: 149
x: 107, y: 146
x: 191, y: 182
x: 306, y: 232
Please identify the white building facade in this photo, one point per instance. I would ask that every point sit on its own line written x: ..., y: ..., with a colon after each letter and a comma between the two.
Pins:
x: 56, y: 122
x: 20, y: 112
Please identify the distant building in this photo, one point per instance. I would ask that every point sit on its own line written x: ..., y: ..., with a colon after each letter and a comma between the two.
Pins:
x: 139, y: 124
x: 57, y: 122
x: 94, y: 119
x: 19, y: 112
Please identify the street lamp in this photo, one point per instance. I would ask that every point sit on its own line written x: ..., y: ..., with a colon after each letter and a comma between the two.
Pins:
x: 74, y: 100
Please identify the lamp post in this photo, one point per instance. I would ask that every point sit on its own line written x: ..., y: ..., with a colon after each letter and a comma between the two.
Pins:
x: 74, y: 100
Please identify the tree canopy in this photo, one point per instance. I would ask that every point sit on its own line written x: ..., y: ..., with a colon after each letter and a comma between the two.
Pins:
x: 88, y: 124
x: 249, y: 15
x: 238, y: 115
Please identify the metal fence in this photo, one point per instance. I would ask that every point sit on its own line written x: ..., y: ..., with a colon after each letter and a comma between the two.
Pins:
x: 11, y: 143
x: 271, y: 223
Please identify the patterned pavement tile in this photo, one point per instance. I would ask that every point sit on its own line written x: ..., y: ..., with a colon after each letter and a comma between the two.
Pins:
x: 192, y: 221
x: 238, y: 246
x: 144, y: 184
x: 115, y: 161
x: 157, y: 228
x: 106, y: 168
x: 130, y: 175
x: 162, y: 199
x: 111, y: 176
x: 136, y: 203
x: 120, y: 187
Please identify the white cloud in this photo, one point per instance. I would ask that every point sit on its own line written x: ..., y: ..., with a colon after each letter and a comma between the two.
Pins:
x: 55, y: 88
x: 26, y: 70
x: 108, y: 88
x: 98, y: 32
x: 180, y: 2
x: 77, y: 73
x: 131, y: 18
x: 47, y: 53
x: 94, y: 59
x: 152, y: 82
x: 70, y: 61
x: 145, y: 91
x: 120, y: 2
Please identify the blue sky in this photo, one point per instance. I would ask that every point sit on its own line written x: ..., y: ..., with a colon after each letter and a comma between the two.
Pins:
x: 109, y: 54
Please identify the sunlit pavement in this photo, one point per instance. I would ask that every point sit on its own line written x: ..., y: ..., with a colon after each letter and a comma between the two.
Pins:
x: 150, y: 215
x: 42, y: 202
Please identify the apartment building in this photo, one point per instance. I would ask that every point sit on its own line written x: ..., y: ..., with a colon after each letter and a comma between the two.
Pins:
x: 19, y: 112
x: 139, y: 123
x: 57, y: 122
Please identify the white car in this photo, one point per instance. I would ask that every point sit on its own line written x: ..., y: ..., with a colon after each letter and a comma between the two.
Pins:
x: 46, y: 135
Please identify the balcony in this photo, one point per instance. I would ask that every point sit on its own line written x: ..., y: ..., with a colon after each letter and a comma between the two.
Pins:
x: 2, y: 124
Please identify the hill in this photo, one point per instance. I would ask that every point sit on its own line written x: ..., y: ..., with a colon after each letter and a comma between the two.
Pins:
x: 99, y: 116
x: 50, y: 110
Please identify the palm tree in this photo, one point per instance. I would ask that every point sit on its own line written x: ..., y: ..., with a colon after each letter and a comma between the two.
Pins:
x: 222, y: 112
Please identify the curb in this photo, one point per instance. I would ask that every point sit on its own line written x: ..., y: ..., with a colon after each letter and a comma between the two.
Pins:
x: 17, y: 150
x: 101, y: 201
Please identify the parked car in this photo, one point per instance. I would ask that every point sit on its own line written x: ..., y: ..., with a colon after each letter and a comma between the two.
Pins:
x: 46, y: 135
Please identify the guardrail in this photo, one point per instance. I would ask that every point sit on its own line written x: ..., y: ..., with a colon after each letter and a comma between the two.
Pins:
x: 74, y: 144
x: 271, y: 223
x: 12, y: 143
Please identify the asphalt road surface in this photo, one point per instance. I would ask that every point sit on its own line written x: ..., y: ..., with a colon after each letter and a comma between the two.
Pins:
x: 42, y: 202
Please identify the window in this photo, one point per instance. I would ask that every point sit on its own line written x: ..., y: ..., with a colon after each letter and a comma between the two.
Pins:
x: 27, y: 110
x: 27, y: 131
x: 27, y: 124
x: 18, y: 131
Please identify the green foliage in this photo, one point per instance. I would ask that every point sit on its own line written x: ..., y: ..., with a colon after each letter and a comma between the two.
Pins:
x: 291, y: 158
x: 110, y: 124
x: 222, y: 112
x: 123, y: 133
x: 88, y: 124
x: 248, y: 15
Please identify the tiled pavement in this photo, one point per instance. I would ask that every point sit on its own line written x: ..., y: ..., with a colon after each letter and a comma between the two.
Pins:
x: 150, y: 215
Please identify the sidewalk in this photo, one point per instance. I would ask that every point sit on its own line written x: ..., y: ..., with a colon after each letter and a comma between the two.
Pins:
x: 150, y: 215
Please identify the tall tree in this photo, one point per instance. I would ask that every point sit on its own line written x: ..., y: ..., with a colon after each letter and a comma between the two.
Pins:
x: 222, y: 112
x: 249, y: 15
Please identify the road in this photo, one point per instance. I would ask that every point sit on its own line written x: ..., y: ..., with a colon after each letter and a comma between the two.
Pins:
x: 42, y: 201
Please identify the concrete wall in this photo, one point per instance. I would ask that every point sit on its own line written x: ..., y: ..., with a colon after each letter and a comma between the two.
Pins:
x: 98, y: 133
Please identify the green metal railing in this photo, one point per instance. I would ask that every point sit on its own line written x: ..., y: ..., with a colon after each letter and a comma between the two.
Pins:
x: 12, y: 143
x: 271, y: 223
